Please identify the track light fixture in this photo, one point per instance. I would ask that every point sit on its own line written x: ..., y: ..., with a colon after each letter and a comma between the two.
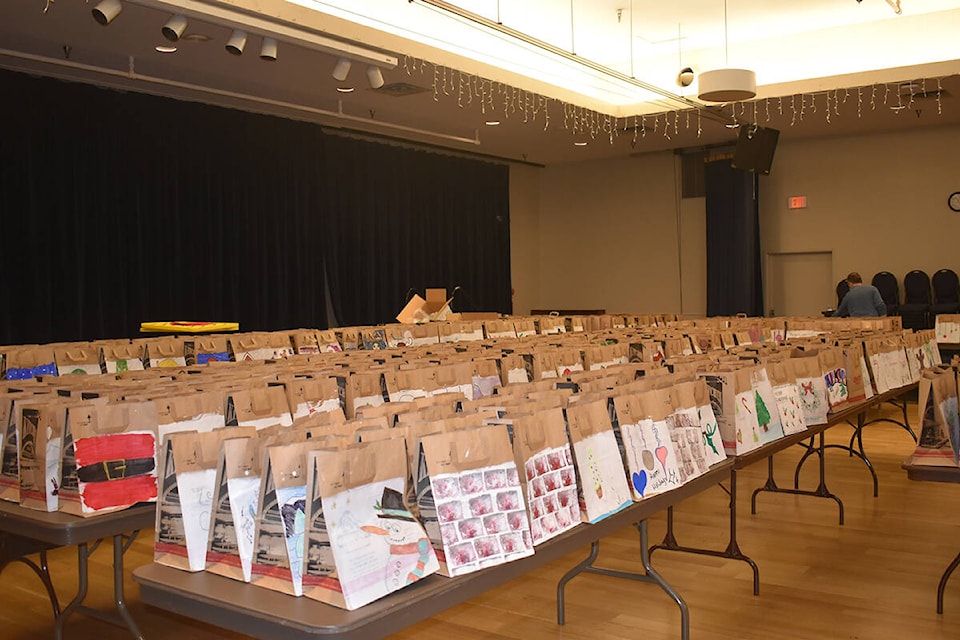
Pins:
x: 374, y: 77
x: 268, y: 49
x: 106, y: 11
x: 174, y: 28
x: 341, y: 69
x: 237, y: 41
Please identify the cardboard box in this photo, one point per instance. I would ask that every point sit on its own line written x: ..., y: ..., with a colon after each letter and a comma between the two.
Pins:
x: 434, y: 308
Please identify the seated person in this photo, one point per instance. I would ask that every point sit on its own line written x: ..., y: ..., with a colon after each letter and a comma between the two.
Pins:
x: 862, y: 300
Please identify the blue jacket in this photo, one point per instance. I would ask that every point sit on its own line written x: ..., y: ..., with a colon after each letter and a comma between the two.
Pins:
x: 862, y: 300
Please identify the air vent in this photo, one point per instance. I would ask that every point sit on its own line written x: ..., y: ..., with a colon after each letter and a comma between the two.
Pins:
x: 400, y: 89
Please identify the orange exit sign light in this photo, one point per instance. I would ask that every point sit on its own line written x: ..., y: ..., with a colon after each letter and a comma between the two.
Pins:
x: 797, y: 202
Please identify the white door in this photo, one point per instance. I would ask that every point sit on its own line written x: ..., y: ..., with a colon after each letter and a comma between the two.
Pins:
x: 800, y: 284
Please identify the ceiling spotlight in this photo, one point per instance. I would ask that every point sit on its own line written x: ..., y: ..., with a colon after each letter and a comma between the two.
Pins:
x: 268, y: 49
x: 341, y: 69
x: 492, y: 123
x: 374, y: 77
x: 174, y: 28
x: 106, y: 11
x: 685, y: 77
x: 237, y: 41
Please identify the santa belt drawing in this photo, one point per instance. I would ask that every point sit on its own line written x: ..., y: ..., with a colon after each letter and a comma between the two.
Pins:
x: 115, y: 469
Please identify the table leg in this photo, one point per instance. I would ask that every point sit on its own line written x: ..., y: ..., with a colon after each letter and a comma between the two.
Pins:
x: 16, y: 549
x: 61, y: 620
x: 732, y: 552
x: 122, y: 616
x: 821, y: 490
x: 649, y: 575
x: 943, y: 582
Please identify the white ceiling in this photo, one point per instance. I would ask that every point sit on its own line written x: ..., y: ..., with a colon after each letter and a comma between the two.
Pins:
x: 824, y: 67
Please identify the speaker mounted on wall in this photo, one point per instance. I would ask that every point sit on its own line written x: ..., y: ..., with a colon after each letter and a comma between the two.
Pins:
x: 755, y: 148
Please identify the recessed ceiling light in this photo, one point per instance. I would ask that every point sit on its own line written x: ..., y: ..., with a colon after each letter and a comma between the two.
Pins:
x: 197, y: 37
x: 580, y: 143
x: 492, y: 123
x: 162, y: 48
x: 345, y: 89
x: 732, y: 125
x: 898, y: 107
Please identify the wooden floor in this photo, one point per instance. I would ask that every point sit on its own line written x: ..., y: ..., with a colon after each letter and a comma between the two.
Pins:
x: 873, y: 578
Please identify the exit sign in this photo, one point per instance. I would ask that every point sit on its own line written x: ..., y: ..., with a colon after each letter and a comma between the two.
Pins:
x: 797, y: 202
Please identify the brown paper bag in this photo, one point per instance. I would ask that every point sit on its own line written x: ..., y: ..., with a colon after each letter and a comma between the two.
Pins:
x: 362, y: 541
x: 188, y: 486
x: 601, y: 480
x: 470, y: 500
x: 258, y: 407
x: 547, y: 475
x: 115, y: 451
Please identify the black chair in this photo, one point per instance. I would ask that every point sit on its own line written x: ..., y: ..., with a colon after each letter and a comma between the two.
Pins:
x: 946, y: 293
x: 842, y: 288
x: 915, y: 309
x: 889, y: 289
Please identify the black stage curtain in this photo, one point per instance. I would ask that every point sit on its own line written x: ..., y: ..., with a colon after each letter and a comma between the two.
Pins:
x: 121, y: 208
x: 734, y: 283
x: 402, y: 221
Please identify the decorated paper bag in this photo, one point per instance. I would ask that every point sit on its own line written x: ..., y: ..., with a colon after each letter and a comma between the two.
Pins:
x: 250, y: 347
x: 30, y: 362
x: 304, y: 342
x: 235, y: 507
x: 363, y: 388
x: 710, y: 430
x: 11, y: 411
x: 187, y: 488
x: 41, y: 438
x: 548, y: 477
x: 473, y: 510
x: 210, y: 349
x: 362, y: 542
x: 768, y: 415
x: 812, y: 387
x: 309, y: 396
x: 454, y: 378
x: 734, y: 406
x: 872, y: 349
x: 258, y: 407
x: 193, y: 411
x: 787, y: 396
x: 115, y: 452
x: 684, y: 425
x: 749, y: 410
x: 123, y: 356
x: 278, y: 558
x: 852, y: 355
x: 650, y: 459
x: 498, y: 329
x: 601, y: 480
x: 373, y: 338
x: 835, y: 375
x: 513, y: 369
x: 485, y: 378
x: 404, y: 385
x: 938, y: 443
x: 327, y: 341
x: 166, y: 352
x: 83, y: 359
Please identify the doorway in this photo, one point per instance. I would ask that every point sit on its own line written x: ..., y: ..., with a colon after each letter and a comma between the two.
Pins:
x: 800, y: 283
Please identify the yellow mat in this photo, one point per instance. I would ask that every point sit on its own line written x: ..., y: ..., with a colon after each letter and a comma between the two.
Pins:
x: 184, y: 326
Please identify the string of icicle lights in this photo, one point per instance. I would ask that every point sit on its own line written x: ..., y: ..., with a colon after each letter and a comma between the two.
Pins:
x: 506, y: 101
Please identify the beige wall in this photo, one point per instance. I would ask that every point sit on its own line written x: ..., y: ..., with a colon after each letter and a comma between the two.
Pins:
x: 879, y: 202
x: 611, y: 234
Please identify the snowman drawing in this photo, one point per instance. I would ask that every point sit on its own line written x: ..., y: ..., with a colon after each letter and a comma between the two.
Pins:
x: 411, y: 554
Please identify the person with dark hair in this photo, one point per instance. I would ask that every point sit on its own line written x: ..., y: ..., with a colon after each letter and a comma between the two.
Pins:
x: 863, y: 300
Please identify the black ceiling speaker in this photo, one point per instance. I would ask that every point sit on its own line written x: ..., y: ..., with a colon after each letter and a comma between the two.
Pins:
x: 755, y: 148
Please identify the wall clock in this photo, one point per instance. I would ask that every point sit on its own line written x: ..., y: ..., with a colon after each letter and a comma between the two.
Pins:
x: 954, y: 201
